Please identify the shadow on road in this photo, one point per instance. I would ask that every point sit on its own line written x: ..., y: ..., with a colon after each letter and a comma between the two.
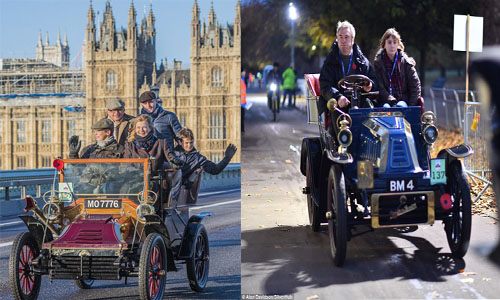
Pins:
x: 297, y: 257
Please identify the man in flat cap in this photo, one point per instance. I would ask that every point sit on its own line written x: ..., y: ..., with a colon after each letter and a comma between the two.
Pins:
x: 105, y: 146
x: 166, y: 123
x: 115, y: 110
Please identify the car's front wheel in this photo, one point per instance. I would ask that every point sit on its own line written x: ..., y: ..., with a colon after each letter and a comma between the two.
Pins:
x: 25, y: 285
x: 152, y: 268
x: 458, y: 225
x: 337, y: 221
x: 84, y: 283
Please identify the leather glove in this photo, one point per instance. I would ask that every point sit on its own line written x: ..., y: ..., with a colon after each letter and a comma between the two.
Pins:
x: 74, y: 146
x: 177, y: 161
x: 230, y: 151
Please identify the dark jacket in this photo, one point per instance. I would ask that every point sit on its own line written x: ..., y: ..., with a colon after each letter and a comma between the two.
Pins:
x: 273, y: 77
x: 194, y: 160
x: 411, y: 83
x: 166, y: 124
x: 111, y: 150
x: 331, y: 73
x: 159, y: 151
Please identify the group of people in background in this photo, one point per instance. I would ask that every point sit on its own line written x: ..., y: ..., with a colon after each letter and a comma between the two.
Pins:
x: 155, y: 133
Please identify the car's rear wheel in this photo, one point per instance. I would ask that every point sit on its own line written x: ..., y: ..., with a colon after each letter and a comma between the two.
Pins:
x: 198, y: 265
x: 84, y: 284
x: 337, y: 223
x: 313, y: 209
x: 458, y: 226
x: 152, y: 268
x: 24, y: 284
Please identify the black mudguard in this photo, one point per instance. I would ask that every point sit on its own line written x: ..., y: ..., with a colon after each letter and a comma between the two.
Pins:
x: 193, y: 223
x: 453, y: 153
x: 36, y: 228
x: 154, y: 224
x: 310, y: 147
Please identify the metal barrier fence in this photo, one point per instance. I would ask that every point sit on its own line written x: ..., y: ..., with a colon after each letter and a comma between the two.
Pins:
x: 453, y: 113
x: 448, y: 105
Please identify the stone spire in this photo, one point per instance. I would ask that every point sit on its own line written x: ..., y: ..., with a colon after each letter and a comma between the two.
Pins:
x: 39, y: 39
x: 196, y: 12
x: 90, y: 16
x: 58, y: 42
x: 131, y: 14
x: 211, y: 15
x: 65, y: 43
x: 47, y: 38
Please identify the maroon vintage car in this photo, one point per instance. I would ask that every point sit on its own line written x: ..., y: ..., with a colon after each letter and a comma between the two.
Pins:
x: 109, y: 219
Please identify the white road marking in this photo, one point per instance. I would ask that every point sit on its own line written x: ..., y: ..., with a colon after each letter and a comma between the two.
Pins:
x: 295, y: 149
x: 416, y: 283
x: 6, y: 244
x: 274, y: 129
x: 465, y: 286
x: 217, y: 193
x: 215, y: 204
x: 10, y: 223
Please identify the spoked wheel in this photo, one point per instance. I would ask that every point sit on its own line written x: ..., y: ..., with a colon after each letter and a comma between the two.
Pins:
x: 198, y: 265
x: 337, y: 224
x: 458, y: 227
x: 313, y: 209
x: 84, y: 283
x: 152, y: 268
x: 24, y: 284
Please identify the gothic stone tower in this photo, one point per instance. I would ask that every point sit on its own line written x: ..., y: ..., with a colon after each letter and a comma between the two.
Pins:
x: 215, y: 81
x: 117, y: 62
x: 57, y: 54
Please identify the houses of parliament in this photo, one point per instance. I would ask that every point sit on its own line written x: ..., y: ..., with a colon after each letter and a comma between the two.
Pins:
x: 43, y: 102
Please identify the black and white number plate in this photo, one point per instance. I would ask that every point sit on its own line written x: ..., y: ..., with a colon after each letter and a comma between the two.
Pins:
x: 103, y: 203
x: 401, y: 185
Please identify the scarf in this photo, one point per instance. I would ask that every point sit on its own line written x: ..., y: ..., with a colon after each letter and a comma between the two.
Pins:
x: 145, y: 143
x: 158, y: 110
x: 395, y: 81
x: 105, y: 143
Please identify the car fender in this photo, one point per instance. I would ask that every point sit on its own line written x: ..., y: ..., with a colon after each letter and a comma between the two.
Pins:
x: 36, y: 228
x: 186, y: 249
x: 453, y: 153
x: 311, y: 147
x: 154, y: 224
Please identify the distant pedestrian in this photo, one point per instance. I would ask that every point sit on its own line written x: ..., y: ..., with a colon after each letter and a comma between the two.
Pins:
x: 288, y: 85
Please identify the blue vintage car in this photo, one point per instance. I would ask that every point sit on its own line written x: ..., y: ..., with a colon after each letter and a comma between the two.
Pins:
x: 378, y: 171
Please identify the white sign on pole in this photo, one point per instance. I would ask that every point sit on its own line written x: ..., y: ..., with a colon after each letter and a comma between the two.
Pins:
x: 475, y: 34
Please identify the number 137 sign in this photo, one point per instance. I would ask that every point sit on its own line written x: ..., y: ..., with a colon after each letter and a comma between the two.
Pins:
x: 438, y: 171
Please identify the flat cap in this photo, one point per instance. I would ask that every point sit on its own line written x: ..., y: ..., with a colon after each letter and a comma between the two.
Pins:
x: 103, y: 124
x: 147, y: 96
x: 115, y: 104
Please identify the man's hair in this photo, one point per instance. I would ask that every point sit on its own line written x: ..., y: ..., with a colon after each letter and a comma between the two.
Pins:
x: 186, y: 133
x: 140, y: 118
x: 392, y: 32
x: 346, y: 24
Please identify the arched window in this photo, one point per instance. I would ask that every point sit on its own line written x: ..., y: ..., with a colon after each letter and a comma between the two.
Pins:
x: 216, y: 77
x: 110, y: 80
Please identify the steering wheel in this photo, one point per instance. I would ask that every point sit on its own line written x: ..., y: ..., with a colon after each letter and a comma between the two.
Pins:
x: 354, y: 81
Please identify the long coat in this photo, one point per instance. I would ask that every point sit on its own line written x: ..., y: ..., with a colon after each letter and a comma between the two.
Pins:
x: 166, y: 125
x: 111, y: 150
x: 159, y: 152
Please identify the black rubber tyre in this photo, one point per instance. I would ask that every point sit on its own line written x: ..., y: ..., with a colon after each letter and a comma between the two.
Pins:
x: 197, y: 267
x: 337, y: 226
x: 275, y: 109
x: 23, y: 283
x: 84, y: 284
x: 458, y: 227
x: 313, y: 209
x: 152, y: 268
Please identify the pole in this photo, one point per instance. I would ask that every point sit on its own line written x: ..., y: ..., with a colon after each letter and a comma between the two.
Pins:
x: 292, y: 46
x: 467, y: 60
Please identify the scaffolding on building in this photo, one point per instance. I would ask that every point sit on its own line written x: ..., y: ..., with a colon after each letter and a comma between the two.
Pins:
x: 33, y: 76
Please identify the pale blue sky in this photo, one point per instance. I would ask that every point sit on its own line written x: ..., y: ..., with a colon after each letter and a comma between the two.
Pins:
x: 22, y: 20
